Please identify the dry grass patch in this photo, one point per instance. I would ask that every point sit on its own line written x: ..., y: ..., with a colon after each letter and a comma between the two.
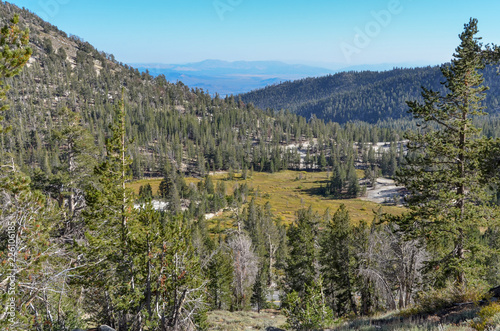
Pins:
x: 244, y: 320
x: 290, y: 191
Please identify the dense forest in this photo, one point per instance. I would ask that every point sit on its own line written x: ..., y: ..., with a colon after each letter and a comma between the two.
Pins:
x: 79, y: 250
x: 361, y: 96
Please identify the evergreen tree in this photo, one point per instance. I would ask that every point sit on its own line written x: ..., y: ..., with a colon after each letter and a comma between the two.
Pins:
x: 77, y: 154
x: 169, y: 287
x: 360, y: 247
x: 145, y: 192
x: 209, y: 185
x: 108, y: 217
x: 337, y: 181
x: 33, y: 267
x: 302, y: 263
x: 322, y: 161
x: 220, y: 276
x: 308, y: 311
x: 353, y: 188
x: 448, y: 204
x: 14, y: 54
x: 168, y: 182
x: 173, y: 200
x: 169, y: 189
x: 259, y: 290
x: 337, y: 263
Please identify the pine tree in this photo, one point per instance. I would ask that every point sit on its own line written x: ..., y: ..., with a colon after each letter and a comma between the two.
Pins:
x: 31, y: 266
x: 220, y: 276
x: 174, y: 202
x: 145, y: 192
x: 169, y: 289
x: 353, y: 188
x: 108, y: 259
x: 259, y: 290
x: 336, y: 263
x: 302, y: 263
x: 166, y: 185
x: 308, y: 311
x: 322, y: 161
x: 337, y: 181
x: 448, y: 204
x: 76, y: 162
x: 209, y: 185
x: 14, y: 54
x: 169, y: 190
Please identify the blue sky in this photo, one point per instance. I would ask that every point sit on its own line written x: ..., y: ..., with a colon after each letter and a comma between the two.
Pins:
x: 347, y: 32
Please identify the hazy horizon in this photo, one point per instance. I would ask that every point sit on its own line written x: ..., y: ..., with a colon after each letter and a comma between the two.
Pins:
x: 325, y: 65
x: 321, y: 33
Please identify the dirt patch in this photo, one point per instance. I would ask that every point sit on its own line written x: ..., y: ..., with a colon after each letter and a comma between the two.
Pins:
x: 385, y: 192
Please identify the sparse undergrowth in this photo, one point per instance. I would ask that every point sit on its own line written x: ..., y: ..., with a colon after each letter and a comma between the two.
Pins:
x: 456, y: 319
x: 437, y: 299
x: 488, y: 318
x: 450, y: 308
x: 223, y: 320
x: 464, y: 318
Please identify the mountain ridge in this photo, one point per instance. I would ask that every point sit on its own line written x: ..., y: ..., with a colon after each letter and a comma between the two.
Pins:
x: 366, y: 96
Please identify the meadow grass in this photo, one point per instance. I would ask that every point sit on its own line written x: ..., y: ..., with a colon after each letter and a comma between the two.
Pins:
x: 289, y: 191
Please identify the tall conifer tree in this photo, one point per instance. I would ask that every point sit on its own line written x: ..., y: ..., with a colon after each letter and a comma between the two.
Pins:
x: 448, y: 205
x: 109, y: 265
x: 336, y: 262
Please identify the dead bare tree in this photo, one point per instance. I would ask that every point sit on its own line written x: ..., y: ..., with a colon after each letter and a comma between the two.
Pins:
x: 36, y: 266
x: 245, y: 267
x: 393, y: 264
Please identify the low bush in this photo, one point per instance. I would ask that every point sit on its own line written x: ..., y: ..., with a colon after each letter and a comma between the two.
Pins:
x: 488, y: 318
x: 437, y: 299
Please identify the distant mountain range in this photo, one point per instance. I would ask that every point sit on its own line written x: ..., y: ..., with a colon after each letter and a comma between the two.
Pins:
x: 227, y: 78
x: 237, y: 77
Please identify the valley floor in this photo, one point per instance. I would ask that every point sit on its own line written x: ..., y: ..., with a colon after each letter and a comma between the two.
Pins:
x: 289, y: 191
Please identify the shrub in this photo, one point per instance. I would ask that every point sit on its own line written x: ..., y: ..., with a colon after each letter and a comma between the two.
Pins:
x: 436, y: 299
x: 488, y: 317
x: 308, y: 312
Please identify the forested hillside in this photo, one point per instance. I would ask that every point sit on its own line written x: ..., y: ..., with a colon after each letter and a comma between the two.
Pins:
x: 361, y: 96
x: 167, y: 121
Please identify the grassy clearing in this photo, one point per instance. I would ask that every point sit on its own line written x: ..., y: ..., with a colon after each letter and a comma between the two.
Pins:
x: 244, y: 320
x: 154, y: 182
x: 289, y: 191
x: 135, y: 185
